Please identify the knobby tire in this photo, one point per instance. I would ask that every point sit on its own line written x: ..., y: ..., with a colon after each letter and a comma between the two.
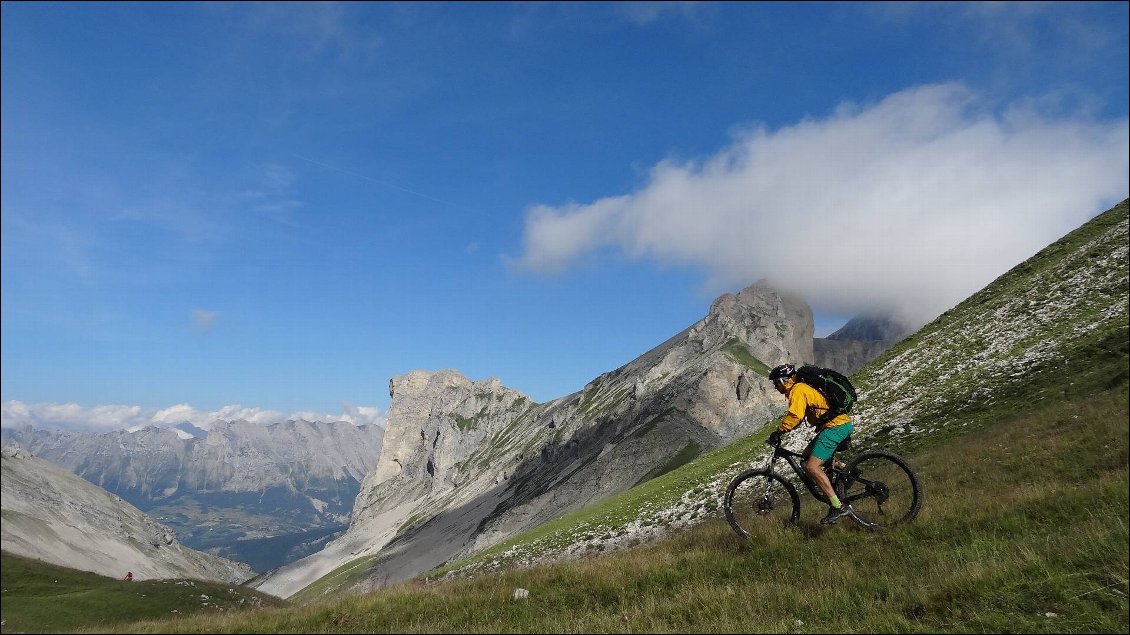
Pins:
x: 746, y: 508
x: 881, y: 487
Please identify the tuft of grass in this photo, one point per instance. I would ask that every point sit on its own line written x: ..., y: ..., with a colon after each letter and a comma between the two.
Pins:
x: 464, y: 424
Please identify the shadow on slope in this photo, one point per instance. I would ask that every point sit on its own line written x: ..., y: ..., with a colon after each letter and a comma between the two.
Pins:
x: 449, y: 534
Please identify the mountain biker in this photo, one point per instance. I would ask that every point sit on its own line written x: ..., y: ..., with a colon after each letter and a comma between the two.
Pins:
x: 806, y: 403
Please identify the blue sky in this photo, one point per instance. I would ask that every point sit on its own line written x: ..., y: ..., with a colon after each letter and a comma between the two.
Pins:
x: 224, y: 210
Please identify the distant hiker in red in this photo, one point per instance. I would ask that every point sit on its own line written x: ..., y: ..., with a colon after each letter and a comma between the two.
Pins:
x: 129, y: 576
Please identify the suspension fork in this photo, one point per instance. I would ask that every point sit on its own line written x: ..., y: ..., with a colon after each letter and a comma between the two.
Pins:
x: 770, y: 468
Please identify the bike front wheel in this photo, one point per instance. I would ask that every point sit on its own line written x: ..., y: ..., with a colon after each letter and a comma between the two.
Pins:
x: 759, y: 499
x: 881, y: 487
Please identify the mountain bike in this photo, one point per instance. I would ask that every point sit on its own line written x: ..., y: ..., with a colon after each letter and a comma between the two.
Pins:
x: 881, y: 487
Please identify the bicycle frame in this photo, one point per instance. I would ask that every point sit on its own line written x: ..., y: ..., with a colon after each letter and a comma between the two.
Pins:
x: 829, y: 466
x: 841, y: 480
x: 794, y: 460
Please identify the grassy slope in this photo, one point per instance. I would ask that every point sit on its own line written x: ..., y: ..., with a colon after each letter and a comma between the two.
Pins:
x: 1029, y: 336
x: 1024, y: 530
x: 1053, y: 327
x: 1024, y: 526
x: 44, y: 598
x: 946, y: 401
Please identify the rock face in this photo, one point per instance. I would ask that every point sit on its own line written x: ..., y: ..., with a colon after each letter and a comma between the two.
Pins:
x: 467, y: 464
x: 249, y: 492
x: 861, y: 340
x: 1056, y: 324
x: 52, y: 515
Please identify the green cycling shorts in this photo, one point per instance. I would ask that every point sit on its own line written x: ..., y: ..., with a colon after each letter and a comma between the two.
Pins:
x: 824, y: 445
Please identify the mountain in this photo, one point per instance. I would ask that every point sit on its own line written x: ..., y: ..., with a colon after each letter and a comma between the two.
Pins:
x: 467, y: 464
x: 1054, y: 329
x: 1012, y: 407
x: 191, y: 430
x: 547, y: 461
x: 861, y: 340
x: 264, y: 495
x: 52, y: 515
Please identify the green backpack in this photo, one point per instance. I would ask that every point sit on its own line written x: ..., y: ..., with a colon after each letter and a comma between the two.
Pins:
x: 835, y: 387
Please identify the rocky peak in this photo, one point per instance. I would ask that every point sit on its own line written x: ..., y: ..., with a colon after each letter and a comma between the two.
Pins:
x: 435, y: 419
x: 466, y: 463
x: 870, y: 327
x: 862, y: 339
x: 775, y: 325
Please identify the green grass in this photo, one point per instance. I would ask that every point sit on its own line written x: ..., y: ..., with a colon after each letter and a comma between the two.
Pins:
x: 1023, y: 530
x: 465, y: 423
x: 344, y: 575
x: 947, y: 364
x: 596, y: 404
x: 43, y: 598
x: 740, y: 354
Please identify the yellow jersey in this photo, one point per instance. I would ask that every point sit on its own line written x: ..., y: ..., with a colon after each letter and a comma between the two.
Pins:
x: 805, y: 402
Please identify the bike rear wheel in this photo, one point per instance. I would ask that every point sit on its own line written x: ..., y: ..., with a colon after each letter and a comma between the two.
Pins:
x: 881, y: 487
x: 759, y: 499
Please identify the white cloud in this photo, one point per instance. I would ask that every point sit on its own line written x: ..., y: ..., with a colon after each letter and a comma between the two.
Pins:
x: 70, y: 416
x: 316, y: 29
x: 180, y: 413
x: 114, y: 417
x: 236, y: 412
x: 912, y: 203
x: 204, y: 320
x: 361, y: 415
x: 644, y: 12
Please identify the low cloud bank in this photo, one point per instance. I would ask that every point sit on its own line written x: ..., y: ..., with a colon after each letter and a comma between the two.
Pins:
x: 49, y: 416
x: 907, y: 205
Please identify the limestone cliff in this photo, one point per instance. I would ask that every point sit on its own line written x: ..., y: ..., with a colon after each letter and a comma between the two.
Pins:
x: 466, y: 464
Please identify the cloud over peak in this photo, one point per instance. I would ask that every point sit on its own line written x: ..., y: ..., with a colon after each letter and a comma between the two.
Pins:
x: 909, y: 204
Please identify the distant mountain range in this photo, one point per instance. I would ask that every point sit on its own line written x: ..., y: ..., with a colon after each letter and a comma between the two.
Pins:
x: 52, y: 515
x: 263, y: 495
